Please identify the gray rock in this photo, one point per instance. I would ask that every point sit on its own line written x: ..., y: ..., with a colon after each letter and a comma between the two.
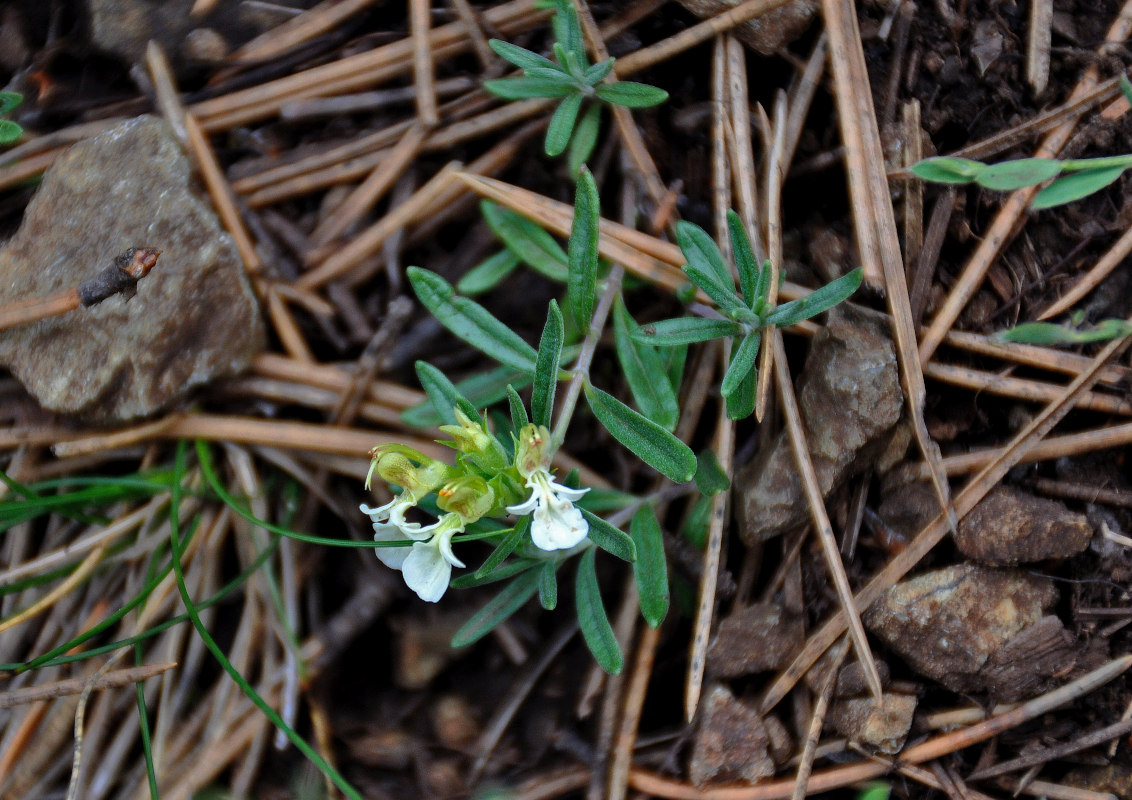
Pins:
x: 731, y: 742
x: 850, y: 399
x: 761, y: 637
x: 1010, y: 527
x: 769, y: 32
x: 194, y: 318
x: 951, y: 624
x: 880, y: 726
x: 125, y: 27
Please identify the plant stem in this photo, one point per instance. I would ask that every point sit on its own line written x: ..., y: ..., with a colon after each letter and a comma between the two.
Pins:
x: 120, y: 277
x: 581, y: 368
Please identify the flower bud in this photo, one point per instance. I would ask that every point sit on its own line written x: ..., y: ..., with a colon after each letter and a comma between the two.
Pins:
x: 474, y: 441
x: 532, y: 450
x: 469, y: 496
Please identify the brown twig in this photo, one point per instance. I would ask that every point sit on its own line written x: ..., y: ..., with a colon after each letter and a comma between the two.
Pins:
x: 120, y: 277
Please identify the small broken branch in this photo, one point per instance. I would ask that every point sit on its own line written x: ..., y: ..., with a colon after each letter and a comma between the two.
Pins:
x: 121, y: 277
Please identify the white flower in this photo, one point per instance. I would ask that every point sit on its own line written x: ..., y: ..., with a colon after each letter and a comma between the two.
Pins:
x: 427, y: 564
x: 393, y: 513
x: 556, y: 523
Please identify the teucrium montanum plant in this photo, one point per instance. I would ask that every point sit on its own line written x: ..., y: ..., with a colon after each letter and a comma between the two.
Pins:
x: 571, y: 79
x: 500, y: 487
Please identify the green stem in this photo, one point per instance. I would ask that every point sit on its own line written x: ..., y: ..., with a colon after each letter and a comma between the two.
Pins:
x: 581, y: 368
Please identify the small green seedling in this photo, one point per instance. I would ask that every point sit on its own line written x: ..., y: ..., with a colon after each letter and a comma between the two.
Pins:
x: 571, y: 79
x: 1071, y: 179
x: 9, y: 131
x: 1047, y: 333
x: 745, y: 315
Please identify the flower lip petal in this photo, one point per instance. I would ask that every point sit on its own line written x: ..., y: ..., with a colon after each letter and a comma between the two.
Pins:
x: 426, y: 571
x: 525, y: 507
x: 567, y: 492
x: 392, y: 557
x: 444, y: 542
x: 379, y: 514
x: 558, y: 527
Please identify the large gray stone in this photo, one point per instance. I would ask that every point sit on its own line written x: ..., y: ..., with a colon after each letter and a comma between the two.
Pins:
x: 959, y: 625
x: 850, y: 400
x: 194, y: 318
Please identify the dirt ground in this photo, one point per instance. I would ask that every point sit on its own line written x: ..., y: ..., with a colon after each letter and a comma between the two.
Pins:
x: 305, y: 110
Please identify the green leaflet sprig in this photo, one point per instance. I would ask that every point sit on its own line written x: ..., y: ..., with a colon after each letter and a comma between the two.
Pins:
x: 571, y: 79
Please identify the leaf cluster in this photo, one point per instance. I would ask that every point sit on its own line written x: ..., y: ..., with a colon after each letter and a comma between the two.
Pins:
x: 9, y: 131
x: 745, y: 314
x: 570, y: 78
x: 1070, y: 180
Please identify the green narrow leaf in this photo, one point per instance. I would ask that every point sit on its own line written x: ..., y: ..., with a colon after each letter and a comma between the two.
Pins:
x: 703, y: 253
x: 597, y: 73
x: 584, y: 139
x: 741, y: 402
x: 519, y: 56
x: 480, y: 390
x: 567, y: 28
x: 631, y: 95
x: 710, y: 477
x: 505, y: 548
x: 470, y: 321
x: 762, y: 287
x: 504, y: 571
x: 533, y: 245
x: 9, y: 100
x: 1047, y: 333
x: 529, y: 88
x: 581, y: 285
x: 443, y: 395
x: 648, y: 441
x: 684, y: 330
x: 742, y: 364
x: 817, y: 301
x: 1074, y: 186
x: 745, y: 263
x: 499, y: 608
x: 674, y: 359
x: 947, y: 169
x: 489, y: 273
x: 1010, y: 175
x: 561, y: 125
x: 546, y: 367
x: 9, y: 131
x: 609, y: 537
x: 642, y: 366
x: 548, y: 585
x: 574, y: 61
x: 595, y: 626
x: 650, y: 569
x: 519, y: 419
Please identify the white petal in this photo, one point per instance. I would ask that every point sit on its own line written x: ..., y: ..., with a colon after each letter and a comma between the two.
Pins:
x: 559, y: 526
x: 393, y: 557
x: 426, y: 571
x: 380, y: 514
x: 567, y: 492
x: 444, y: 542
x: 525, y: 507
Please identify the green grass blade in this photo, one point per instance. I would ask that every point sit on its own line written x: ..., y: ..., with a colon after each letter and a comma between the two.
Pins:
x: 1075, y: 186
x: 1008, y: 176
x: 218, y: 654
